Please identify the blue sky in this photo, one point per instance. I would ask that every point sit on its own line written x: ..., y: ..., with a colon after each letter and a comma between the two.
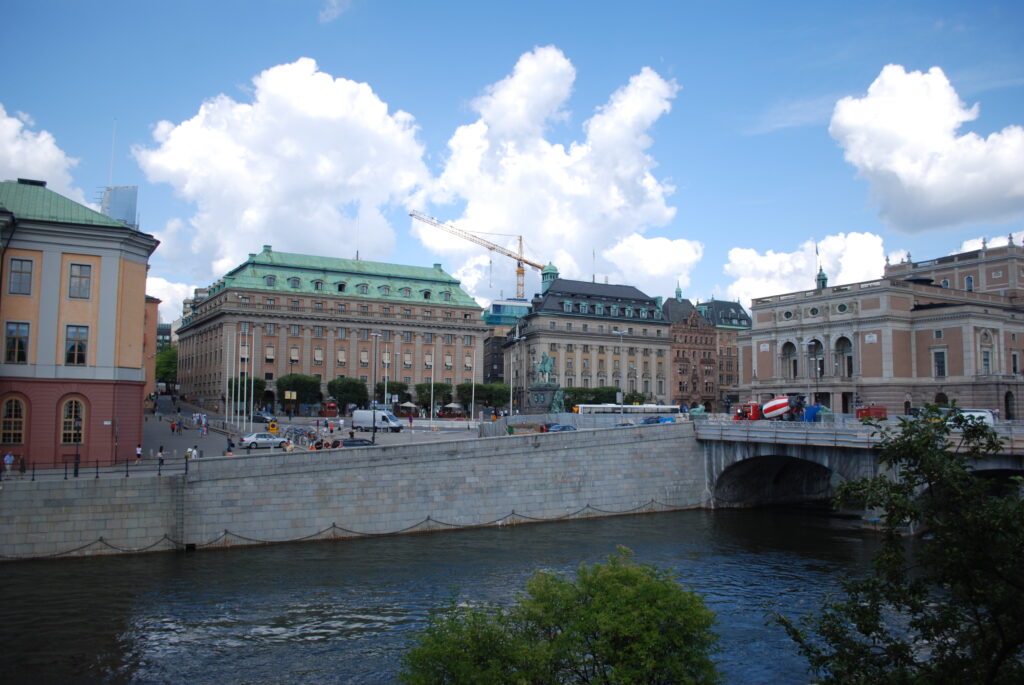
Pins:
x: 710, y: 144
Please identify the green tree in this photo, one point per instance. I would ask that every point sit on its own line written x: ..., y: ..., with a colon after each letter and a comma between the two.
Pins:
x: 948, y: 607
x: 442, y: 394
x: 605, y: 394
x: 574, y: 396
x: 492, y: 395
x: 616, y: 622
x: 241, y: 389
x: 467, y: 393
x: 394, y: 388
x: 307, y: 388
x: 634, y: 397
x: 348, y: 391
x: 167, y: 364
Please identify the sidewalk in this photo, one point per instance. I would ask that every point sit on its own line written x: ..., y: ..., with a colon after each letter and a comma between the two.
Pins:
x: 156, y: 432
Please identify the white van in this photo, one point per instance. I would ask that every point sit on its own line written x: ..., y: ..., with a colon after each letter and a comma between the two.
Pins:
x: 362, y: 420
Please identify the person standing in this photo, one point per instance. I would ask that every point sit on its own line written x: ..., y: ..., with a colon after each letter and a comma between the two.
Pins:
x: 160, y: 456
x: 21, y: 465
x: 138, y: 453
x: 8, y: 462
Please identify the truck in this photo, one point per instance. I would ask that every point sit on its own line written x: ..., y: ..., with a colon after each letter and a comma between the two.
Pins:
x: 783, y: 408
x: 363, y: 420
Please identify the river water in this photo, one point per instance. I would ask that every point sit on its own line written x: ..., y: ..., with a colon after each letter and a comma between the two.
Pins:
x: 342, y: 612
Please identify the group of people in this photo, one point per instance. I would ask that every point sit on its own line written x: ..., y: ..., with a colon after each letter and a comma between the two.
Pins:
x: 9, y: 460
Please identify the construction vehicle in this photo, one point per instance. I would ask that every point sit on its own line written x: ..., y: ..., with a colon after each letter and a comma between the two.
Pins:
x: 494, y: 247
x: 783, y: 408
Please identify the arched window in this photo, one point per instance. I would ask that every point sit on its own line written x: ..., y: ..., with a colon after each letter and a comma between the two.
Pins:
x: 446, y: 296
x: 844, y: 357
x: 72, y: 422
x: 789, y: 361
x: 426, y: 294
x: 293, y: 282
x: 406, y: 292
x: 270, y: 281
x: 12, y: 432
x: 362, y: 288
x: 341, y: 287
x: 318, y: 285
x: 385, y: 290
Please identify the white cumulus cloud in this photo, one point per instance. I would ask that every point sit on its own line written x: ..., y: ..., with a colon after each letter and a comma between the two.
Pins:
x: 171, y: 296
x: 902, y: 136
x: 584, y: 206
x: 27, y: 154
x: 307, y: 166
x: 845, y: 257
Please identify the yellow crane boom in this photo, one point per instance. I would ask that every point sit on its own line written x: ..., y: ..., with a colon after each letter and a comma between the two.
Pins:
x: 494, y: 247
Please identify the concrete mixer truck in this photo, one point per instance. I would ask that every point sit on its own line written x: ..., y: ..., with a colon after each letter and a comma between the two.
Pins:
x: 781, y: 408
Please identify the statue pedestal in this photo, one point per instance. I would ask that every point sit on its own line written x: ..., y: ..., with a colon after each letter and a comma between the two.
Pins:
x: 540, y: 397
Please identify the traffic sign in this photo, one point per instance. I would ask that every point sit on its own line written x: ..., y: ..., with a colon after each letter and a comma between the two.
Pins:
x: 272, y: 427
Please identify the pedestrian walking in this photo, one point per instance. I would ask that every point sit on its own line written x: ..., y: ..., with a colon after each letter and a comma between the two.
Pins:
x: 410, y: 421
x: 173, y: 427
x: 8, y: 461
x: 138, y: 453
x: 160, y: 456
x: 21, y: 465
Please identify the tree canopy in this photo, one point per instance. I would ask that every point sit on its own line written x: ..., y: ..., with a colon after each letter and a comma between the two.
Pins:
x: 247, y: 389
x: 167, y: 364
x: 616, y: 622
x: 307, y: 388
x: 945, y: 608
x: 348, y: 391
x: 442, y: 394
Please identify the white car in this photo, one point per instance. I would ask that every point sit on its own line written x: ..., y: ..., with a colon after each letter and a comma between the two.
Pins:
x: 254, y: 440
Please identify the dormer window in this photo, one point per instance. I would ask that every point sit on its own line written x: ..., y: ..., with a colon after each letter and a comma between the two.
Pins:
x: 341, y: 287
x: 599, y: 309
x: 615, y: 310
x: 643, y: 313
x: 385, y: 290
x: 406, y: 292
x: 362, y: 288
x: 583, y: 307
x: 629, y: 312
x: 446, y: 296
x: 567, y: 306
x: 293, y: 283
x: 270, y: 281
x: 426, y: 294
x: 318, y: 285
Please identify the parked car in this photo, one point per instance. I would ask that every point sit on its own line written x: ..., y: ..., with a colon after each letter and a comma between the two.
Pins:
x: 263, y: 417
x: 356, y: 442
x: 559, y: 427
x: 648, y: 420
x: 254, y: 440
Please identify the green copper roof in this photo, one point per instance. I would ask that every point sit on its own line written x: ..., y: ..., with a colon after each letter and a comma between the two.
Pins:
x: 318, y: 275
x: 33, y: 201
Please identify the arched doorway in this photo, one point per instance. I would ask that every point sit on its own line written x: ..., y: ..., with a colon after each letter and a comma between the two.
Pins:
x: 1008, y: 412
x: 941, y: 399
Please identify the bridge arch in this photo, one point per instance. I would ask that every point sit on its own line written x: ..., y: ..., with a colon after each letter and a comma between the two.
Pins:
x: 773, y: 479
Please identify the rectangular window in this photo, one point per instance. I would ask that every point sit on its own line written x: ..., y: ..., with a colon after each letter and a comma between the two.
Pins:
x: 293, y: 329
x: 468, y: 362
x: 268, y: 376
x: 1015, y: 369
x: 428, y: 338
x: 269, y: 302
x: 364, y: 333
x: 296, y: 304
x: 448, y: 338
x: 21, y: 277
x: 407, y: 336
x: 269, y: 354
x: 407, y: 360
x: 293, y: 354
x: 341, y: 333
x: 428, y: 360
x: 80, y: 282
x: 244, y: 299
x: 76, y: 341
x: 270, y: 328
x: 16, y: 347
x: 318, y: 331
x: 986, y: 362
x: 447, y: 361
x: 341, y: 357
x: 364, y: 358
x: 467, y: 340
x: 318, y: 356
x: 938, y: 335
x: 939, y: 363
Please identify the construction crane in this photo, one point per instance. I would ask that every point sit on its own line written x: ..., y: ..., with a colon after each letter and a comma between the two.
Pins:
x: 474, y: 238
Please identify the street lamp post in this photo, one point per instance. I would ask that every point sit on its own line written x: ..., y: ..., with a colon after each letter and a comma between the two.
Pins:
x: 622, y: 393
x: 373, y: 394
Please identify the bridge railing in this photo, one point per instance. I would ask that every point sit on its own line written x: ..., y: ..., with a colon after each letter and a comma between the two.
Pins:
x: 822, y: 434
x: 786, y: 432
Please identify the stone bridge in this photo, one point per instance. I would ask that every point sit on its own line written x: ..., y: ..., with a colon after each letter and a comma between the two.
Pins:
x: 752, y: 463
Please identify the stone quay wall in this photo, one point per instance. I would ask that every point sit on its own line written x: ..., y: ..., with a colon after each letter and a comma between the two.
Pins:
x: 282, y: 497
